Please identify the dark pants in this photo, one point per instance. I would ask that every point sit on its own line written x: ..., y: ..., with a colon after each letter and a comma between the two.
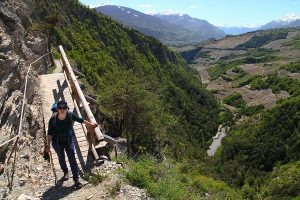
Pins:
x: 69, y: 147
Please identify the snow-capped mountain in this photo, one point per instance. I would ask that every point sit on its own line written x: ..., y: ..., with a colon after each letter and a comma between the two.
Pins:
x: 202, y: 27
x: 165, y: 12
x: 290, y: 20
x: 182, y: 29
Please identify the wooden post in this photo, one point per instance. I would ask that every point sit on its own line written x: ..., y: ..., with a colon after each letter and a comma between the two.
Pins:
x: 73, y: 80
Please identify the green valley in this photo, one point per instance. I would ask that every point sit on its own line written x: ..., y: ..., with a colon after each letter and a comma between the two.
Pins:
x: 256, y: 78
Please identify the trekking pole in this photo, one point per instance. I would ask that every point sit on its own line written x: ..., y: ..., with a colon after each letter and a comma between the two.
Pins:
x: 52, y: 164
x: 53, y: 168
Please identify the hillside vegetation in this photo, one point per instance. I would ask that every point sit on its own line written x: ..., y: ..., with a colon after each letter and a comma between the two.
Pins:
x: 145, y: 91
x: 258, y: 74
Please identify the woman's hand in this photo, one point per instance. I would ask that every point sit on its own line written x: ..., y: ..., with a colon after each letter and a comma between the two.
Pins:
x: 94, y: 124
x: 91, y: 124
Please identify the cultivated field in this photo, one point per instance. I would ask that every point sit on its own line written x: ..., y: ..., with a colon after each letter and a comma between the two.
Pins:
x: 253, y: 58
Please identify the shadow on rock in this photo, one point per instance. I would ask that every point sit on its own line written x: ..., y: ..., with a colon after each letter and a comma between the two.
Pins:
x: 58, y: 192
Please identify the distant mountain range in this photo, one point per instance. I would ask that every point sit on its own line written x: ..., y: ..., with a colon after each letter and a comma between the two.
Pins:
x: 181, y: 29
x: 290, y: 20
x: 201, y: 27
x: 172, y: 29
x: 235, y: 30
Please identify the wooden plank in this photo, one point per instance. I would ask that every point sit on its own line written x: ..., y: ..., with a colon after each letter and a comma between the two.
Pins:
x: 48, y: 84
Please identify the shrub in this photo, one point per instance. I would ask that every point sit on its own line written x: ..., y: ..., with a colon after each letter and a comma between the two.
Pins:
x: 235, y: 100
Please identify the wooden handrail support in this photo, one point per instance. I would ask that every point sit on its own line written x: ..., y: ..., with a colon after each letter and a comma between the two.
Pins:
x: 76, y: 90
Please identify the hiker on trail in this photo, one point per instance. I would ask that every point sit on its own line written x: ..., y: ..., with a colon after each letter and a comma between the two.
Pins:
x: 61, y: 134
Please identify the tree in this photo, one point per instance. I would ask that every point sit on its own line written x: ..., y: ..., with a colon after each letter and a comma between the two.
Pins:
x: 137, y: 112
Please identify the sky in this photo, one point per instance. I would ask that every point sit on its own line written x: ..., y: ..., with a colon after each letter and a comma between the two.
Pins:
x: 217, y: 12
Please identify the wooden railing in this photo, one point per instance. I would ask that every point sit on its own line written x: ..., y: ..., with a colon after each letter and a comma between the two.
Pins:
x: 94, y: 135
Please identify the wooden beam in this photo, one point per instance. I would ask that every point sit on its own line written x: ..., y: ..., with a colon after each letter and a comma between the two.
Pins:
x: 73, y: 79
x: 90, y: 99
x: 110, y: 139
x: 79, y: 74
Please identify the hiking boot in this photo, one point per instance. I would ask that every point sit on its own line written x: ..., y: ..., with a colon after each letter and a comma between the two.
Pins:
x: 66, y: 176
x: 78, y: 185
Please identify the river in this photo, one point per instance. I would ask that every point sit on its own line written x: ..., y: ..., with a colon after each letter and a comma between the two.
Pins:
x: 217, y: 140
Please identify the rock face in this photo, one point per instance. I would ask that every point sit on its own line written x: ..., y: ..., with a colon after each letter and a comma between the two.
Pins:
x: 19, y: 46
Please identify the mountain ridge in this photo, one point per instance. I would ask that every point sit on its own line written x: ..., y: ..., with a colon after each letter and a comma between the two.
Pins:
x: 288, y: 21
x: 160, y: 29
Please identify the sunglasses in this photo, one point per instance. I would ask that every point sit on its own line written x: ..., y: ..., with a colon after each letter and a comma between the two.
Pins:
x: 62, y: 108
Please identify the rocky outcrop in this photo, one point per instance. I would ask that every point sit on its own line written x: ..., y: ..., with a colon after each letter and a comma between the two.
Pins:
x: 19, y: 46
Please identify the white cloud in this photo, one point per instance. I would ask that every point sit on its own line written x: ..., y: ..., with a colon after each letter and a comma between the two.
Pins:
x: 145, y: 5
x: 193, y: 6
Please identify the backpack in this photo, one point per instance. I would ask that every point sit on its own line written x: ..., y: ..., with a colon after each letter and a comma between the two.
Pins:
x: 54, y: 108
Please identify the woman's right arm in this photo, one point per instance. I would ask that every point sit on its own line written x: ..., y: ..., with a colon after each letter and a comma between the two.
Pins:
x: 49, y: 140
x: 49, y: 135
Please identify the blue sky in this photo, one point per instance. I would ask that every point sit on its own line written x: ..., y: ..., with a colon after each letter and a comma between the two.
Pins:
x: 217, y: 12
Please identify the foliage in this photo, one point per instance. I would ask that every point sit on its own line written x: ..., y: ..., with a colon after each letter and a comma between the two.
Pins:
x: 51, y: 69
x: 252, y: 148
x: 56, y: 55
x: 203, y: 54
x: 222, y: 67
x: 258, y: 84
x: 139, y: 112
x: 235, y: 100
x: 94, y: 179
x: 238, y: 70
x: 244, y: 80
x: 167, y: 180
x: 294, y: 43
x: 292, y: 67
x: 276, y: 83
x: 232, y: 62
x: 284, y: 182
x: 116, y: 188
x: 250, y: 110
x: 262, y: 38
x: 290, y: 85
x: 190, y: 54
x: 226, y: 117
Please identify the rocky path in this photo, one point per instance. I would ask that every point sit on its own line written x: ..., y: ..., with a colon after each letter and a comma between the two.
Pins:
x: 34, y: 179
x: 58, y: 68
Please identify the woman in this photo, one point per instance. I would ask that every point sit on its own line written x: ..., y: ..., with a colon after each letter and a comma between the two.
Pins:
x: 61, y: 134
